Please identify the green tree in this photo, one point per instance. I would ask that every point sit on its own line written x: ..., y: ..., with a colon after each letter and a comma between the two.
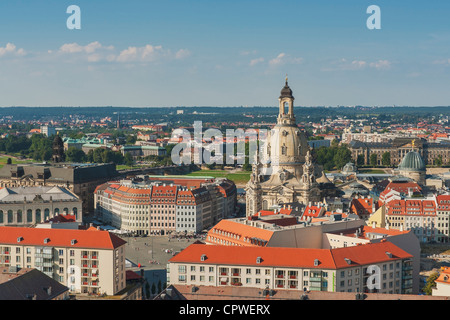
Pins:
x: 386, y: 159
x: 8, y: 161
x: 360, y: 160
x: 128, y: 159
x: 75, y: 155
x: 430, y: 284
x: 342, y: 157
x: 373, y: 160
x: 438, y: 161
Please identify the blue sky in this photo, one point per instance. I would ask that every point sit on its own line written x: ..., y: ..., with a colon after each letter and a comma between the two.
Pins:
x: 223, y: 53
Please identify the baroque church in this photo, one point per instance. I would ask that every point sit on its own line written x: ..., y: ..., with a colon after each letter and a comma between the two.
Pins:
x: 284, y: 172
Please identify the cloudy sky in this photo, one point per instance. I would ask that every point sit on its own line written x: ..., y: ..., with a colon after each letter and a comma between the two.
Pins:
x: 223, y: 53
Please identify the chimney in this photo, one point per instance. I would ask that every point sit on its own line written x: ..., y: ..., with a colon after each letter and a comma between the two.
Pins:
x: 374, y: 224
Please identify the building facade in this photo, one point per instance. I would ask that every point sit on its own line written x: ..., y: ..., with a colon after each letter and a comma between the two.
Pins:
x: 81, y: 179
x: 336, y: 270
x: 27, y: 206
x: 285, y: 172
x: 398, y: 148
x: 164, y: 206
x: 86, y: 261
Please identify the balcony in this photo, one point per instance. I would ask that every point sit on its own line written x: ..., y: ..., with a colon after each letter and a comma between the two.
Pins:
x: 292, y: 277
x: 293, y: 286
x: 315, y: 288
x: 280, y: 276
x: 316, y: 279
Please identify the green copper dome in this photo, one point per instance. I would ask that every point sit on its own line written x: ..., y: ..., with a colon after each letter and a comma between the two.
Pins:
x: 412, y: 162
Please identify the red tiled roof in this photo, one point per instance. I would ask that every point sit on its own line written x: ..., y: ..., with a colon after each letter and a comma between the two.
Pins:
x: 238, y: 233
x: 292, y: 257
x: 91, y: 238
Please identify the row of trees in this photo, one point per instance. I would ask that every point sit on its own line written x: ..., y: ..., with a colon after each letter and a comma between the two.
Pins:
x: 373, y: 159
x: 334, y: 157
x: 38, y: 147
x: 98, y: 155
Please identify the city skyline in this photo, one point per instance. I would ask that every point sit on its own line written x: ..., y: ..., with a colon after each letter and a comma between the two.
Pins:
x: 210, y: 53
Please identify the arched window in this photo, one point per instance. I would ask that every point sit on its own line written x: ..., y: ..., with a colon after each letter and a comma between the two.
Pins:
x: 1, y: 216
x: 56, y: 212
x: 19, y: 216
x: 29, y: 215
x: 66, y: 211
x: 46, y: 214
x: 75, y: 212
x: 38, y: 216
x: 10, y: 216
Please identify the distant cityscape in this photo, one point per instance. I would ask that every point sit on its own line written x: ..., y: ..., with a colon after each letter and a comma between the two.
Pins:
x: 356, y: 204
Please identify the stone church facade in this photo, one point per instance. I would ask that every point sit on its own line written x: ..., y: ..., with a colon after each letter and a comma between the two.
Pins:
x: 285, y: 172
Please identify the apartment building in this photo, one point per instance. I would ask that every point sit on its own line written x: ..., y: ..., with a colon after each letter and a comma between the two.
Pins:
x: 164, y: 206
x: 86, y: 261
x: 375, y: 267
x: 428, y: 218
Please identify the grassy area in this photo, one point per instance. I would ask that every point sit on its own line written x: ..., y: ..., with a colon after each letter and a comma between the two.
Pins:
x: 4, y: 159
x: 372, y: 171
x: 239, y: 177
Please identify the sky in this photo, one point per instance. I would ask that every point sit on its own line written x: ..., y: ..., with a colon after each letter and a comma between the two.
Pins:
x: 224, y: 53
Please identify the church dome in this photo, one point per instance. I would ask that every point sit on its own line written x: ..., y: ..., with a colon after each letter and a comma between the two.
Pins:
x: 286, y: 92
x: 412, y: 162
x: 349, y: 168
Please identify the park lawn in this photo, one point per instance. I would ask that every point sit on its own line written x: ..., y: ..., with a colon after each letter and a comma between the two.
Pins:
x: 236, y: 177
x: 372, y: 171
x: 4, y: 159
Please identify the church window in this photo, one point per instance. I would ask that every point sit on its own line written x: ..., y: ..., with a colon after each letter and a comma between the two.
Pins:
x: 283, y: 150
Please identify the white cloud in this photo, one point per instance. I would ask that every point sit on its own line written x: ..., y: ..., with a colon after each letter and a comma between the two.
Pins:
x: 147, y: 53
x: 343, y: 64
x: 278, y: 60
x: 284, y: 58
x: 11, y: 49
x: 89, y: 48
x: 381, y: 64
x: 358, y: 64
x: 256, y: 61
x: 182, y: 53
x: 442, y: 62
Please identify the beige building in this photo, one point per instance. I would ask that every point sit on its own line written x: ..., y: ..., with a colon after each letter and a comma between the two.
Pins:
x: 86, y: 261
x: 334, y: 270
x: 26, y: 206
x: 81, y: 179
x: 398, y: 148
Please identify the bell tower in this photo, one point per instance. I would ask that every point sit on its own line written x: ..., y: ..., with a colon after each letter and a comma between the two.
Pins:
x: 286, y: 105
